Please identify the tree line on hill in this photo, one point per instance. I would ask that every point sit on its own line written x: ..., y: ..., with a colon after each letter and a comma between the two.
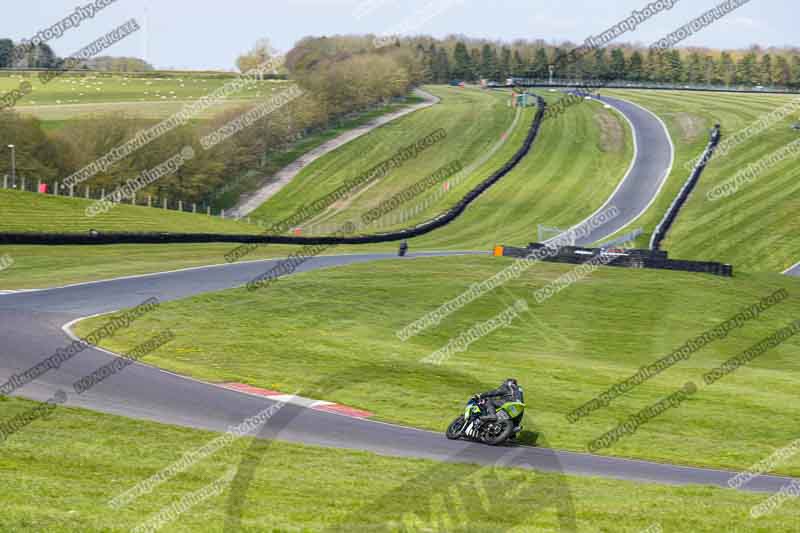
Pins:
x: 39, y: 56
x: 42, y: 56
x: 339, y: 80
x: 460, y: 58
x: 341, y: 77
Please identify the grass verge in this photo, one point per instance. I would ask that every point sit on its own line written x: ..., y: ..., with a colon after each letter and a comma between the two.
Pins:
x: 34, y: 212
x: 58, y: 475
x: 472, y: 119
x: 36, y: 267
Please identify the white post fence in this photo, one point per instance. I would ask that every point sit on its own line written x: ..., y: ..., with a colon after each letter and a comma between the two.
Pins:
x: 59, y: 189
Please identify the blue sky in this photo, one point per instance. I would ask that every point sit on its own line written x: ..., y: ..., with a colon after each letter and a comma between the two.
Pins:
x: 201, y: 34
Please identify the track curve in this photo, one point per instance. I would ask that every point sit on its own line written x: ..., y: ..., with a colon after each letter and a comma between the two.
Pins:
x: 654, y: 155
x: 31, y: 328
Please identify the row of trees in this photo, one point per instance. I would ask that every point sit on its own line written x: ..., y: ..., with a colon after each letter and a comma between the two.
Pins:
x: 466, y: 59
x: 119, y: 64
x: 40, y: 56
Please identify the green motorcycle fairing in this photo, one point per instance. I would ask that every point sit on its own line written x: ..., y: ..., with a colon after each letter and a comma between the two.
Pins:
x: 471, y: 409
x: 514, y: 409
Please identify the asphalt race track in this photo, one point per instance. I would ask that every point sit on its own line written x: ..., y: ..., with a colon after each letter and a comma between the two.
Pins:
x: 31, y: 330
x: 794, y: 271
x: 653, y: 159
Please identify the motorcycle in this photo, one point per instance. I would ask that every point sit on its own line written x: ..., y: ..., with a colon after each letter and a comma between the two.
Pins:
x: 492, y: 432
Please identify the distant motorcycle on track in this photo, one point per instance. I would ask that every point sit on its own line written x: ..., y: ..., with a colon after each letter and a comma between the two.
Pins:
x: 470, y: 425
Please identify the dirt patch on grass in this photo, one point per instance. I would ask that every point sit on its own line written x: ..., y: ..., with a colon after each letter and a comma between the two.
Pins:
x: 692, y: 126
x: 612, y: 137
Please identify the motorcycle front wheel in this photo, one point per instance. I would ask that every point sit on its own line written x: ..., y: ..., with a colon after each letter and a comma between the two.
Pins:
x: 455, y: 428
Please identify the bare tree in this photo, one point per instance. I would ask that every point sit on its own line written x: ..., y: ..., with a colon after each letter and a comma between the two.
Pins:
x: 261, y: 52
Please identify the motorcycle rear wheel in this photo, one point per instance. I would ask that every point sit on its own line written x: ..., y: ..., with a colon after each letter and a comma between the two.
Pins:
x: 455, y: 428
x: 500, y: 437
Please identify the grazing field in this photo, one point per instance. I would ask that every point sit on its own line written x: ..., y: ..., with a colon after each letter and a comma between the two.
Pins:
x: 149, y: 98
x: 74, y: 473
x: 100, y: 90
x: 564, y: 351
x: 756, y: 229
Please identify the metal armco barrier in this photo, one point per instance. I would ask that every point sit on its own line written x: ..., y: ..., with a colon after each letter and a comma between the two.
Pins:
x: 166, y: 238
x: 672, y: 213
x: 657, y: 259
x: 623, y: 85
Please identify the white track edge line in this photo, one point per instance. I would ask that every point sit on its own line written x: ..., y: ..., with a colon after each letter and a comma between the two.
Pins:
x: 666, y: 177
x: 624, y: 178
x: 664, y: 180
x: 791, y: 268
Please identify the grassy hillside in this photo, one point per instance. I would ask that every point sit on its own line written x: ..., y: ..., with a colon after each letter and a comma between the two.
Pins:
x: 57, y: 477
x: 474, y: 121
x: 574, y: 166
x: 757, y: 228
x: 32, y: 212
x: 276, y: 160
x: 565, y: 351
x: 577, y: 161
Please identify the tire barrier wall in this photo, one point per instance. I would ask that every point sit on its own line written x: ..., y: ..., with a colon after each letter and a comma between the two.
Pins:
x: 656, y: 259
x: 664, y: 226
x: 440, y: 221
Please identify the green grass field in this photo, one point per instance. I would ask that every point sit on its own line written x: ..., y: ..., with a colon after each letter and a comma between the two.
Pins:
x: 494, y: 133
x: 38, y: 267
x: 148, y: 98
x: 302, y: 488
x: 474, y: 120
x: 33, y: 212
x: 275, y: 161
x: 565, y: 351
x: 97, y: 89
x: 757, y: 228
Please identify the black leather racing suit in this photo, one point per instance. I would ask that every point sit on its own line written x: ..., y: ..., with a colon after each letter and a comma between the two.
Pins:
x: 500, y: 396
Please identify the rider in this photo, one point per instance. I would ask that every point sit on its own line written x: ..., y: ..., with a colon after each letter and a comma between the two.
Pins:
x: 509, y: 391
